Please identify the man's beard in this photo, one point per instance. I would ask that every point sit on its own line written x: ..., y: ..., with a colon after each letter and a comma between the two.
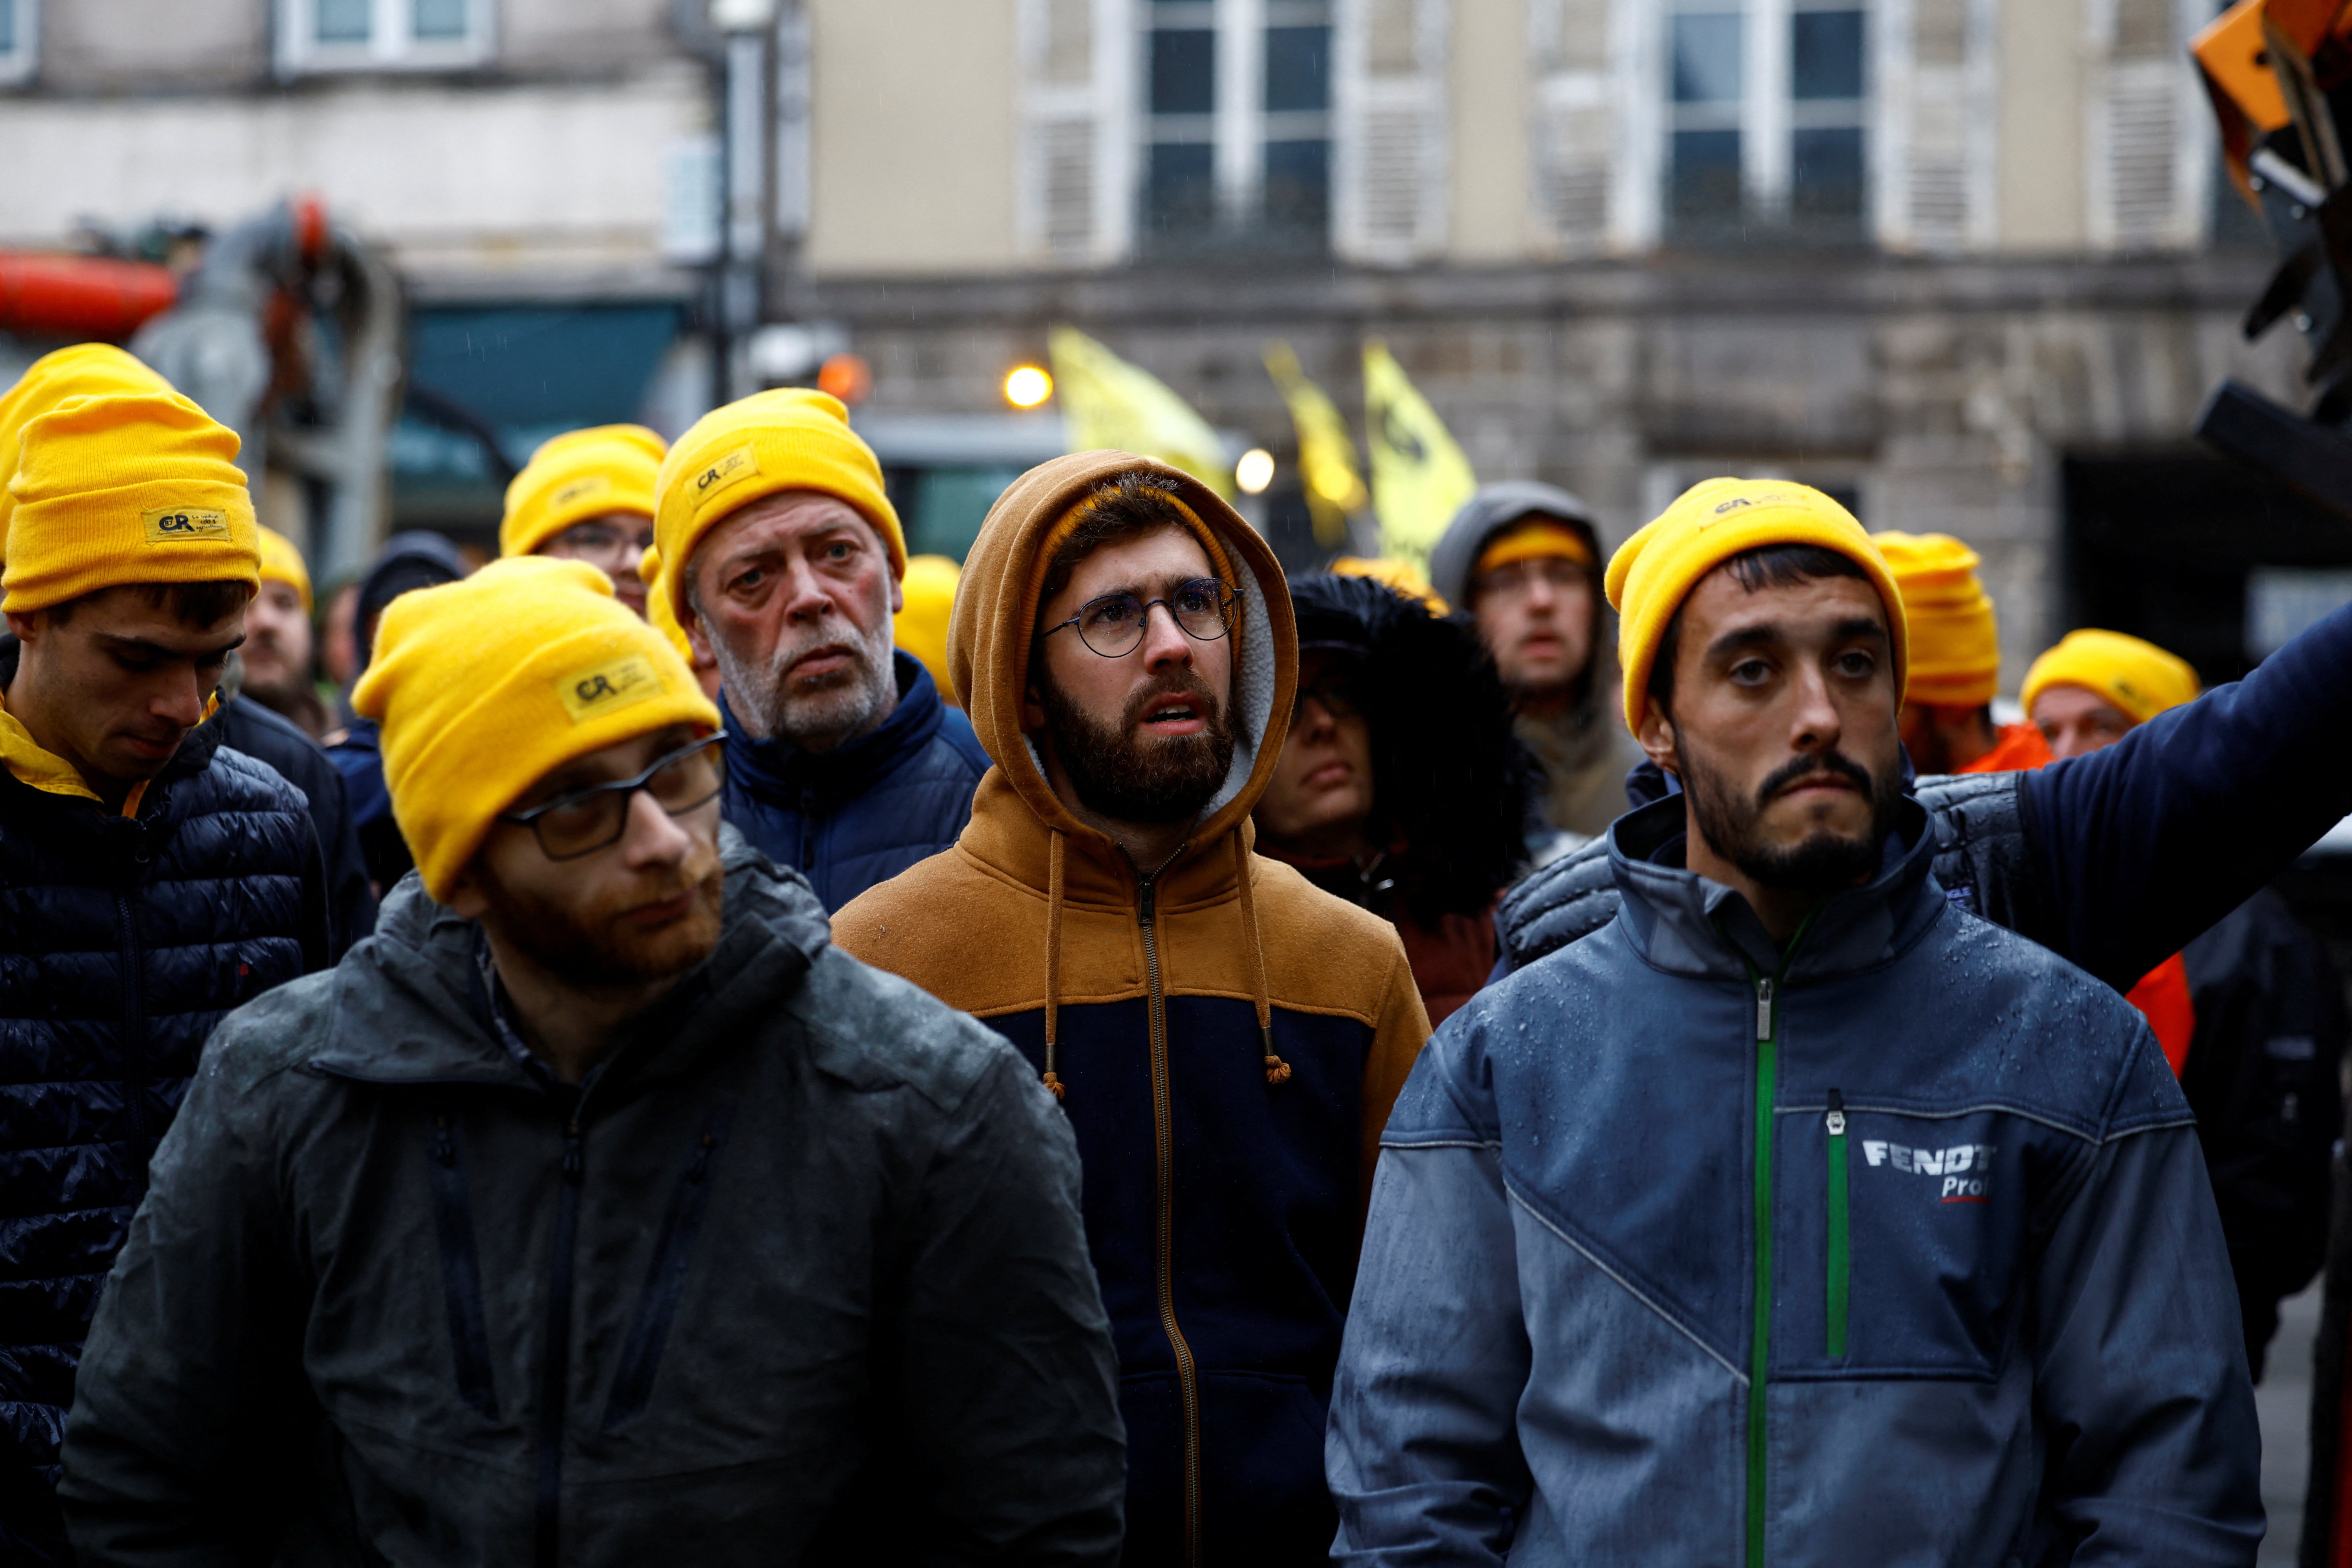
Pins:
x: 592, y: 947
x: 1825, y: 861
x: 828, y: 710
x: 1156, y: 779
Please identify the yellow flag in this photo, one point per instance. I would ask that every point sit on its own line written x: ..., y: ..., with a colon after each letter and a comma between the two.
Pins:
x: 1420, y: 477
x: 1326, y: 457
x: 1107, y: 402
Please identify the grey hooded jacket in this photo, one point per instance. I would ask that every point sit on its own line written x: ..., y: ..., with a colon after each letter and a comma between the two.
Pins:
x: 797, y: 1277
x: 1894, y: 1248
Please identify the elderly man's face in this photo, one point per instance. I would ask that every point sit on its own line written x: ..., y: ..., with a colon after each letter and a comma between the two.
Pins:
x: 794, y: 595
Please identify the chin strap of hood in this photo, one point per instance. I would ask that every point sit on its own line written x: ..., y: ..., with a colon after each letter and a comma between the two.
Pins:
x: 1276, y: 1070
x: 1052, y: 959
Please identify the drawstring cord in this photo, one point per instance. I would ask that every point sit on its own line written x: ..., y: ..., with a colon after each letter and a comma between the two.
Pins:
x: 1053, y: 957
x: 1276, y: 1070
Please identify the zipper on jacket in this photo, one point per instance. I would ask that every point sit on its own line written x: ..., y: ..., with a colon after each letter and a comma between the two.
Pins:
x: 1768, y: 1044
x: 1163, y: 1137
x: 134, y: 1041
x: 555, y: 1375
x: 641, y: 1352
x: 461, y: 1271
x: 1840, y: 1272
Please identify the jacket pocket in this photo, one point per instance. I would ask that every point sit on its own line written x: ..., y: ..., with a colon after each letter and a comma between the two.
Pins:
x: 461, y: 1271
x: 641, y: 1352
x: 1838, y: 1287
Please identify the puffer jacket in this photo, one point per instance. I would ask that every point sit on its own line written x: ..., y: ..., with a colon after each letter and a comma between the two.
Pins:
x: 2115, y: 860
x: 1893, y: 1247
x: 264, y: 733
x: 1222, y: 1208
x: 123, y: 940
x: 870, y: 809
x: 796, y: 1277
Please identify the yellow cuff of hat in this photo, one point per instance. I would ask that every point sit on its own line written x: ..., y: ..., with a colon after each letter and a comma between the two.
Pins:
x: 657, y: 605
x: 486, y: 686
x: 921, y: 628
x: 1392, y: 572
x: 1955, y: 640
x: 1709, y: 523
x: 281, y: 562
x: 126, y: 488
x: 787, y: 439
x: 2137, y: 676
x: 85, y: 370
x: 1533, y: 541
x: 577, y: 476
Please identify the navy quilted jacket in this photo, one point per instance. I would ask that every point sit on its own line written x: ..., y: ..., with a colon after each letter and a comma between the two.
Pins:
x: 863, y: 812
x: 123, y: 942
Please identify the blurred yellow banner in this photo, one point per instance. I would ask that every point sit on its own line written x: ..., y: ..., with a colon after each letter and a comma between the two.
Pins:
x: 1420, y: 477
x: 1326, y: 456
x: 1107, y: 402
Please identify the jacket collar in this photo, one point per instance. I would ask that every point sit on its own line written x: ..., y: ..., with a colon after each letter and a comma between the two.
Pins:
x: 777, y: 769
x: 1008, y: 838
x: 1685, y: 924
x: 409, y: 1009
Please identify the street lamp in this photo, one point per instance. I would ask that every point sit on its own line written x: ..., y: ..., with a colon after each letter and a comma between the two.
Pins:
x: 745, y: 25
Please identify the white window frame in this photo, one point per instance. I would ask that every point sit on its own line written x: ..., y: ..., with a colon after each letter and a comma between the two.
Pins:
x: 390, y: 45
x: 1240, y: 125
x: 18, y: 64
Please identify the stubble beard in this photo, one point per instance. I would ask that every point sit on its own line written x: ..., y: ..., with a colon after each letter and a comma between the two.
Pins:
x: 818, y: 713
x: 1822, y: 862
x: 1154, y: 779
x: 591, y: 947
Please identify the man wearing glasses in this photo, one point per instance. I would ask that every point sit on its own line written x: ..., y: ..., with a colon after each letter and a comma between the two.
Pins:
x: 1522, y: 559
x: 597, y: 1211
x: 1226, y: 1039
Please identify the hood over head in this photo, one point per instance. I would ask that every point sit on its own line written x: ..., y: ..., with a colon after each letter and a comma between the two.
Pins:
x: 1488, y: 513
x: 993, y: 628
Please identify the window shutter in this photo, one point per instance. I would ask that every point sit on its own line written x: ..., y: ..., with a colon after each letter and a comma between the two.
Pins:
x: 2147, y: 131
x: 1390, y: 157
x: 1936, y: 96
x: 1575, y: 123
x: 1072, y: 208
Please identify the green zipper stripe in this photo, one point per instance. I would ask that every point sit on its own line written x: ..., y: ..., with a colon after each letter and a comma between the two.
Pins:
x: 1757, y: 1353
x: 1840, y: 1267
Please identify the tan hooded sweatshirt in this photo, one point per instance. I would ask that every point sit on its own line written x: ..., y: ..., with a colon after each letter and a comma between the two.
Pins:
x: 1229, y: 1038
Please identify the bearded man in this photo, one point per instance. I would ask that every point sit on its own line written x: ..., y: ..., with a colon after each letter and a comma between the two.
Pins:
x: 1226, y: 1038
x: 598, y: 1211
x: 783, y: 558
x: 1795, y: 1214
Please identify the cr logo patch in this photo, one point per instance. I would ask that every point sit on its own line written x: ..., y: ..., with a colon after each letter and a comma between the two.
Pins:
x: 581, y: 489
x: 722, y: 472
x: 607, y: 687
x: 171, y: 524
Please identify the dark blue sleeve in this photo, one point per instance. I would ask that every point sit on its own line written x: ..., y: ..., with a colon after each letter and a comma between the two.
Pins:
x: 2144, y: 844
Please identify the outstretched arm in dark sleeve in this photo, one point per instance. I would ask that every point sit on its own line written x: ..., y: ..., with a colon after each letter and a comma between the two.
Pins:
x: 2146, y: 843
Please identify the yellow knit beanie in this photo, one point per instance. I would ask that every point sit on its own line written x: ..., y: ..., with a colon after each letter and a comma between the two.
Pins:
x: 281, y: 562
x: 657, y: 605
x: 787, y: 439
x: 1955, y: 641
x: 921, y: 628
x: 577, y: 476
x: 484, y: 687
x: 2137, y: 676
x: 84, y: 369
x: 1709, y: 523
x: 126, y: 488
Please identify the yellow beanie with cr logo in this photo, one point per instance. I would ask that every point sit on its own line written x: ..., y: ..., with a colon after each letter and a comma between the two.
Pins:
x: 486, y: 686
x: 579, y: 475
x: 1709, y: 523
x: 1955, y: 641
x: 787, y: 439
x: 282, y: 563
x: 123, y: 487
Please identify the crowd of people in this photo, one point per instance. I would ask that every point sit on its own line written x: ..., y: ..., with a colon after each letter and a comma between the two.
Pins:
x: 705, y: 1039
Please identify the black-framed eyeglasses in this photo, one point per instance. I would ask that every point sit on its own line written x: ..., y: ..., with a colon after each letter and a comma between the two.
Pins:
x: 1113, y: 624
x: 588, y: 820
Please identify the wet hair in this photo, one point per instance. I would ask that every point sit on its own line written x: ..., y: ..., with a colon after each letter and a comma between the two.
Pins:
x: 1451, y: 781
x: 1124, y: 505
x: 1766, y: 566
x: 190, y: 604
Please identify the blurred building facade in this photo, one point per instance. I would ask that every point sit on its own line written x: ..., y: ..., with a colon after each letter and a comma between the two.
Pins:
x: 1964, y: 262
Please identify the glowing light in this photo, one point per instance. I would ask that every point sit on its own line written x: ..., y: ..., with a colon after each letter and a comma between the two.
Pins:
x: 1254, y: 471
x: 1026, y: 386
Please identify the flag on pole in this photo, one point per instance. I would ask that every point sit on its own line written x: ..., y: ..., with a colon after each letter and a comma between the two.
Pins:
x: 1420, y: 477
x: 1326, y: 457
x: 1107, y: 402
